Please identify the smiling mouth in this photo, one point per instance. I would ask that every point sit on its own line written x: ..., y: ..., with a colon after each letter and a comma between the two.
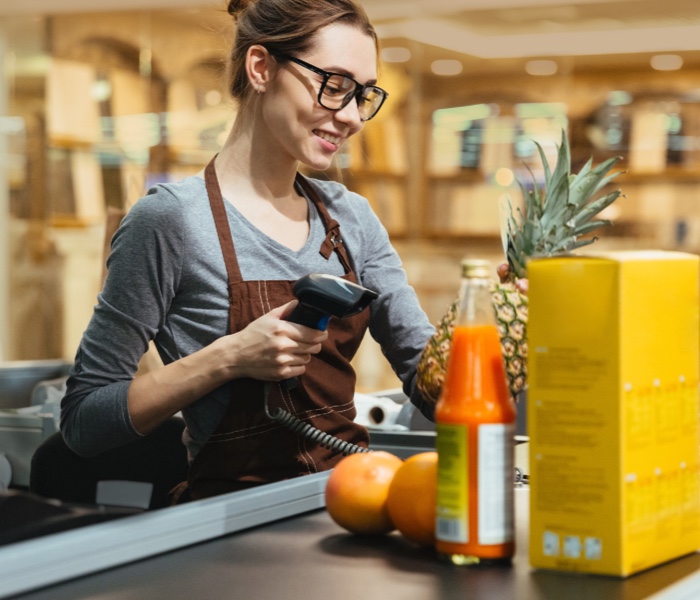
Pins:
x: 333, y: 139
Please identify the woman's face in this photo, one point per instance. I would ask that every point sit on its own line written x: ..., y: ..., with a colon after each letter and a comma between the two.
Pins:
x: 299, y: 125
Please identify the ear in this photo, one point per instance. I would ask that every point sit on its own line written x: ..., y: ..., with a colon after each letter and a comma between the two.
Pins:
x: 259, y: 67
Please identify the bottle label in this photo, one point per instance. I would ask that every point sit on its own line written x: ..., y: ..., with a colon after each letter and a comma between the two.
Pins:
x: 495, y: 487
x: 496, y: 469
x: 452, y: 513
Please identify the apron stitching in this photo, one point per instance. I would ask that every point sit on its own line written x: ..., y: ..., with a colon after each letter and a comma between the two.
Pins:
x: 284, y: 394
x: 285, y: 400
x: 302, y: 450
x: 249, y: 432
x: 323, y: 409
x: 265, y: 304
x: 264, y: 298
x: 264, y: 427
x: 241, y: 435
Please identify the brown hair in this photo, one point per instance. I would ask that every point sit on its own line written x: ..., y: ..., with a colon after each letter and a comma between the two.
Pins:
x: 285, y: 27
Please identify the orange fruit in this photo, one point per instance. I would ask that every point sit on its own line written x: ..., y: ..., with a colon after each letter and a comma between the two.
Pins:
x: 412, y: 498
x: 357, y: 489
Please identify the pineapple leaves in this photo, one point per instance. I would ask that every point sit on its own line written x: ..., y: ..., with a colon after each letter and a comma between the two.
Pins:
x: 555, y: 217
x: 582, y: 243
x: 533, y: 198
x: 592, y: 225
x: 514, y: 262
x: 593, y: 208
x: 588, y: 182
x: 505, y: 209
x: 558, y: 185
x: 545, y: 166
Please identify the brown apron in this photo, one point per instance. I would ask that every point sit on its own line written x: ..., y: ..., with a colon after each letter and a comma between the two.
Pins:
x: 248, y: 448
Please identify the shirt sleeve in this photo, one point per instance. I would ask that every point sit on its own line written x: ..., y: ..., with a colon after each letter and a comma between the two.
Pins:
x: 143, y: 271
x: 397, y: 322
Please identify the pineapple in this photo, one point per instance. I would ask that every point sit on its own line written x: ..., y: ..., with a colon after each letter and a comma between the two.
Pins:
x: 554, y: 220
x: 511, y: 317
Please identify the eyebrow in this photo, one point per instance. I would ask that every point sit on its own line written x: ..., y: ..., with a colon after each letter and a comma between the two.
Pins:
x: 342, y: 71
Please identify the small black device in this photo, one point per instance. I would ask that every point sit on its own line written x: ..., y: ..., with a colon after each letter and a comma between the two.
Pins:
x: 324, y: 296
x: 321, y: 297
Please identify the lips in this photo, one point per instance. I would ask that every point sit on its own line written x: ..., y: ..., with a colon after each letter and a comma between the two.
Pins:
x: 329, y: 137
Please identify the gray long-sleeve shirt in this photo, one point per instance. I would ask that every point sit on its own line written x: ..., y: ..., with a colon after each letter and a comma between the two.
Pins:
x: 167, y: 283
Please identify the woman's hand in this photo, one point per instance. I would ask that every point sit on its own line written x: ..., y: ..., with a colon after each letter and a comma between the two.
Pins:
x: 503, y: 271
x: 271, y: 348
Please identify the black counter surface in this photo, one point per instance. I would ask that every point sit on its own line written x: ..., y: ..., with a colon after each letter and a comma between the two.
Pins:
x: 309, y: 556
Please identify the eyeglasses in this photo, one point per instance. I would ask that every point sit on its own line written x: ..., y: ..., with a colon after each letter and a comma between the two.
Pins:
x: 338, y: 90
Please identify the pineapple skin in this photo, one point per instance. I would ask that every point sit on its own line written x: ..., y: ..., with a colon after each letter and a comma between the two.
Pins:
x: 510, y: 309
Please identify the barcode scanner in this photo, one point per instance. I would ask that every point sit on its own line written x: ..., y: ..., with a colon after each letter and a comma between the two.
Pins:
x: 324, y: 296
x: 321, y: 297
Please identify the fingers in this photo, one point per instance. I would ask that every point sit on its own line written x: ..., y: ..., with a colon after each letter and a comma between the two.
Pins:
x: 271, y: 348
x: 287, y: 365
x: 503, y: 271
x: 296, y: 331
x: 282, y: 312
x: 304, y: 348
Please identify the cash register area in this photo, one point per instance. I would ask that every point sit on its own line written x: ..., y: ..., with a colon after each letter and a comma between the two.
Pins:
x: 99, y: 102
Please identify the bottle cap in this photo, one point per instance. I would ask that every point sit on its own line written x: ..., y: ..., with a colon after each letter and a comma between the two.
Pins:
x: 476, y: 267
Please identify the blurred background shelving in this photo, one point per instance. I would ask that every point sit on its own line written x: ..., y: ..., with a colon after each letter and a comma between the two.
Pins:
x: 99, y: 102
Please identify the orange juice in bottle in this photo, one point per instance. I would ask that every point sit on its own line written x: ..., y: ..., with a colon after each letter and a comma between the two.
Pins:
x: 475, y: 422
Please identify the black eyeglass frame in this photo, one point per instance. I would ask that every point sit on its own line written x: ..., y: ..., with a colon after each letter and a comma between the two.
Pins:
x: 356, y: 95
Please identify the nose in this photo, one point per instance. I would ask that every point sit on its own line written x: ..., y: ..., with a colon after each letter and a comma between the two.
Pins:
x: 350, y: 115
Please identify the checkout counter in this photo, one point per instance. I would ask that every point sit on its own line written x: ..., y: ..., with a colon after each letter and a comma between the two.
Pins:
x: 277, y: 541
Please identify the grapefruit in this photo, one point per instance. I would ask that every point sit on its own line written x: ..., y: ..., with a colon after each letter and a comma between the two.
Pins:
x: 412, y: 498
x: 356, y: 492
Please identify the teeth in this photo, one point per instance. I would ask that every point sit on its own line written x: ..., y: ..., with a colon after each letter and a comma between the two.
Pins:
x: 329, y: 138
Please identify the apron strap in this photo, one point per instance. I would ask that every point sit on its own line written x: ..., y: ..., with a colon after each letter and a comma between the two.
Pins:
x: 223, y: 230
x: 333, y: 240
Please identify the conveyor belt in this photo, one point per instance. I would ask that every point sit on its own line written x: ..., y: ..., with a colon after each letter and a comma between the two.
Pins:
x: 58, y: 557
x: 31, y: 564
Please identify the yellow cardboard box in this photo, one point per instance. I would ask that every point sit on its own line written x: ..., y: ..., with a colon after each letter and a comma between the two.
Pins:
x: 613, y: 410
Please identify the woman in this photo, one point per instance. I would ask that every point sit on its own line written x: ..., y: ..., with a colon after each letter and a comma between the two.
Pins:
x: 205, y: 267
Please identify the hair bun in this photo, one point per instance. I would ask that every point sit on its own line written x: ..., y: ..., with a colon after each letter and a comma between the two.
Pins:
x: 235, y: 7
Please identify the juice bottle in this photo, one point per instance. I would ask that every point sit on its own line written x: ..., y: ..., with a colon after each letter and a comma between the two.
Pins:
x: 475, y: 422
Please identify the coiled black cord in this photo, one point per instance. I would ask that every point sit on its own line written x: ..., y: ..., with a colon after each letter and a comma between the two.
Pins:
x: 309, y: 432
x: 332, y: 443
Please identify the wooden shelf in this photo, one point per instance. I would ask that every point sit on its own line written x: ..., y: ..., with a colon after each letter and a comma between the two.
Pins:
x: 373, y: 175
x: 459, y: 236
x: 465, y: 176
x: 671, y: 175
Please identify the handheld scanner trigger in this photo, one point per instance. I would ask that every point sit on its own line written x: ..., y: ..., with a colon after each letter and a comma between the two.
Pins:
x: 309, y: 316
x: 324, y: 296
